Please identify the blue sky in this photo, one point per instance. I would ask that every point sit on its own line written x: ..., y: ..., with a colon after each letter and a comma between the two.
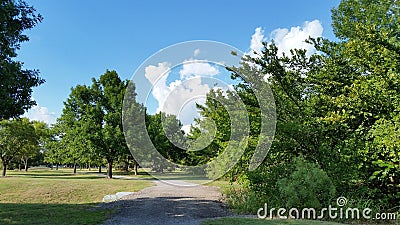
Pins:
x: 78, y: 40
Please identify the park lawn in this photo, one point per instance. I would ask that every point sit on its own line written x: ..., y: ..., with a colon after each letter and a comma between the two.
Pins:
x: 252, y: 221
x: 58, y: 197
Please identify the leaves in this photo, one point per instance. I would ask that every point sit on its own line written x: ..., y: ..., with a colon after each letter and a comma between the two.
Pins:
x: 16, y: 83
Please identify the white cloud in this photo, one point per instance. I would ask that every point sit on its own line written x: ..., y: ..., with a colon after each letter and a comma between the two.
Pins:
x: 182, y: 99
x: 194, y: 67
x: 286, y: 39
x: 41, y: 113
x: 176, y: 97
x: 153, y: 73
x: 157, y: 76
x: 256, y: 43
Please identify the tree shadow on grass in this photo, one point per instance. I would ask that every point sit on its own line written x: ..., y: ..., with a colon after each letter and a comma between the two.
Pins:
x: 49, y: 214
x: 56, y: 176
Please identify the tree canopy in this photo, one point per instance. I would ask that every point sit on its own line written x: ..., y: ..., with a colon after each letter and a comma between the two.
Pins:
x: 16, y: 83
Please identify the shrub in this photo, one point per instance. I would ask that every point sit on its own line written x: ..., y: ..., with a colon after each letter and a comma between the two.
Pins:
x: 307, y: 186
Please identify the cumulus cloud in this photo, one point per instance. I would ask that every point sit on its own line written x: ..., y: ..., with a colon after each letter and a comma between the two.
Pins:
x: 157, y: 76
x: 180, y: 96
x: 153, y: 73
x: 256, y: 43
x: 41, y: 113
x: 195, y: 67
x: 286, y: 39
x: 182, y: 99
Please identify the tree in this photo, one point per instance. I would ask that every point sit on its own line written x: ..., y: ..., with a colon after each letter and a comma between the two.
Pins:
x: 338, y: 108
x: 133, y: 119
x: 368, y: 102
x: 109, y: 138
x: 16, y: 83
x: 73, y: 125
x: 52, y: 148
x: 32, y: 150
x: 159, y: 127
x: 91, y: 123
x: 15, y: 136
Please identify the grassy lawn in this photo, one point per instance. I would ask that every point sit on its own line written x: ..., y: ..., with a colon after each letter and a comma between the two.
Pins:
x: 251, y: 221
x: 58, y: 197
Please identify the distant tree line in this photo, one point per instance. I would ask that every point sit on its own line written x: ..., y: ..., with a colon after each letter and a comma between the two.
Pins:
x: 90, y: 130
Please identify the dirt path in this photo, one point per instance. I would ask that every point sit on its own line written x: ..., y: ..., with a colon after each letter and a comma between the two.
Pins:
x: 168, y: 204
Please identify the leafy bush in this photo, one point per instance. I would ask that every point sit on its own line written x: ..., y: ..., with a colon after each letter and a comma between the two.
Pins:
x: 243, y: 200
x: 307, y: 186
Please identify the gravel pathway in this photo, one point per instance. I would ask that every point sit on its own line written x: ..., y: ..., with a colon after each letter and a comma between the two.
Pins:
x: 168, y: 204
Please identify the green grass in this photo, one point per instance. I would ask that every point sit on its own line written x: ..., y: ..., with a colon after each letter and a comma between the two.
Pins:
x: 45, y: 196
x: 251, y: 221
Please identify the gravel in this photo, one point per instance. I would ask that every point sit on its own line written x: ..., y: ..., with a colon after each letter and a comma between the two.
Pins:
x: 177, y: 202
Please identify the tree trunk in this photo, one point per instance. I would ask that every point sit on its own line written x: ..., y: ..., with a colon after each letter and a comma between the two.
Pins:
x: 100, y: 169
x: 89, y: 166
x: 136, y: 167
x: 74, y: 168
x: 26, y: 164
x: 126, y: 167
x: 57, y: 166
x: 4, y: 169
x: 109, y: 169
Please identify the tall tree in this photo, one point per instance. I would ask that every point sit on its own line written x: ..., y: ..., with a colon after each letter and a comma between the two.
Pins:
x: 366, y: 64
x: 91, y: 122
x: 108, y: 136
x: 72, y: 125
x: 16, y: 83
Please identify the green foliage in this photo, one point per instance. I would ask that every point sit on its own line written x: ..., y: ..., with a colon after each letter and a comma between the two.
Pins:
x: 34, y: 149
x: 244, y: 201
x: 16, y: 82
x: 159, y: 127
x: 17, y: 137
x: 338, y: 108
x: 90, y: 127
x: 307, y: 186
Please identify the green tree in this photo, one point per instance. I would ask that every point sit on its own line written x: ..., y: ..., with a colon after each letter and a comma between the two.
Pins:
x: 16, y: 83
x: 72, y: 126
x: 15, y: 136
x: 339, y: 108
x: 108, y: 138
x: 91, y: 123
x: 134, y: 128
x: 42, y: 133
x: 367, y: 62
x: 159, y: 126
x: 52, y: 148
